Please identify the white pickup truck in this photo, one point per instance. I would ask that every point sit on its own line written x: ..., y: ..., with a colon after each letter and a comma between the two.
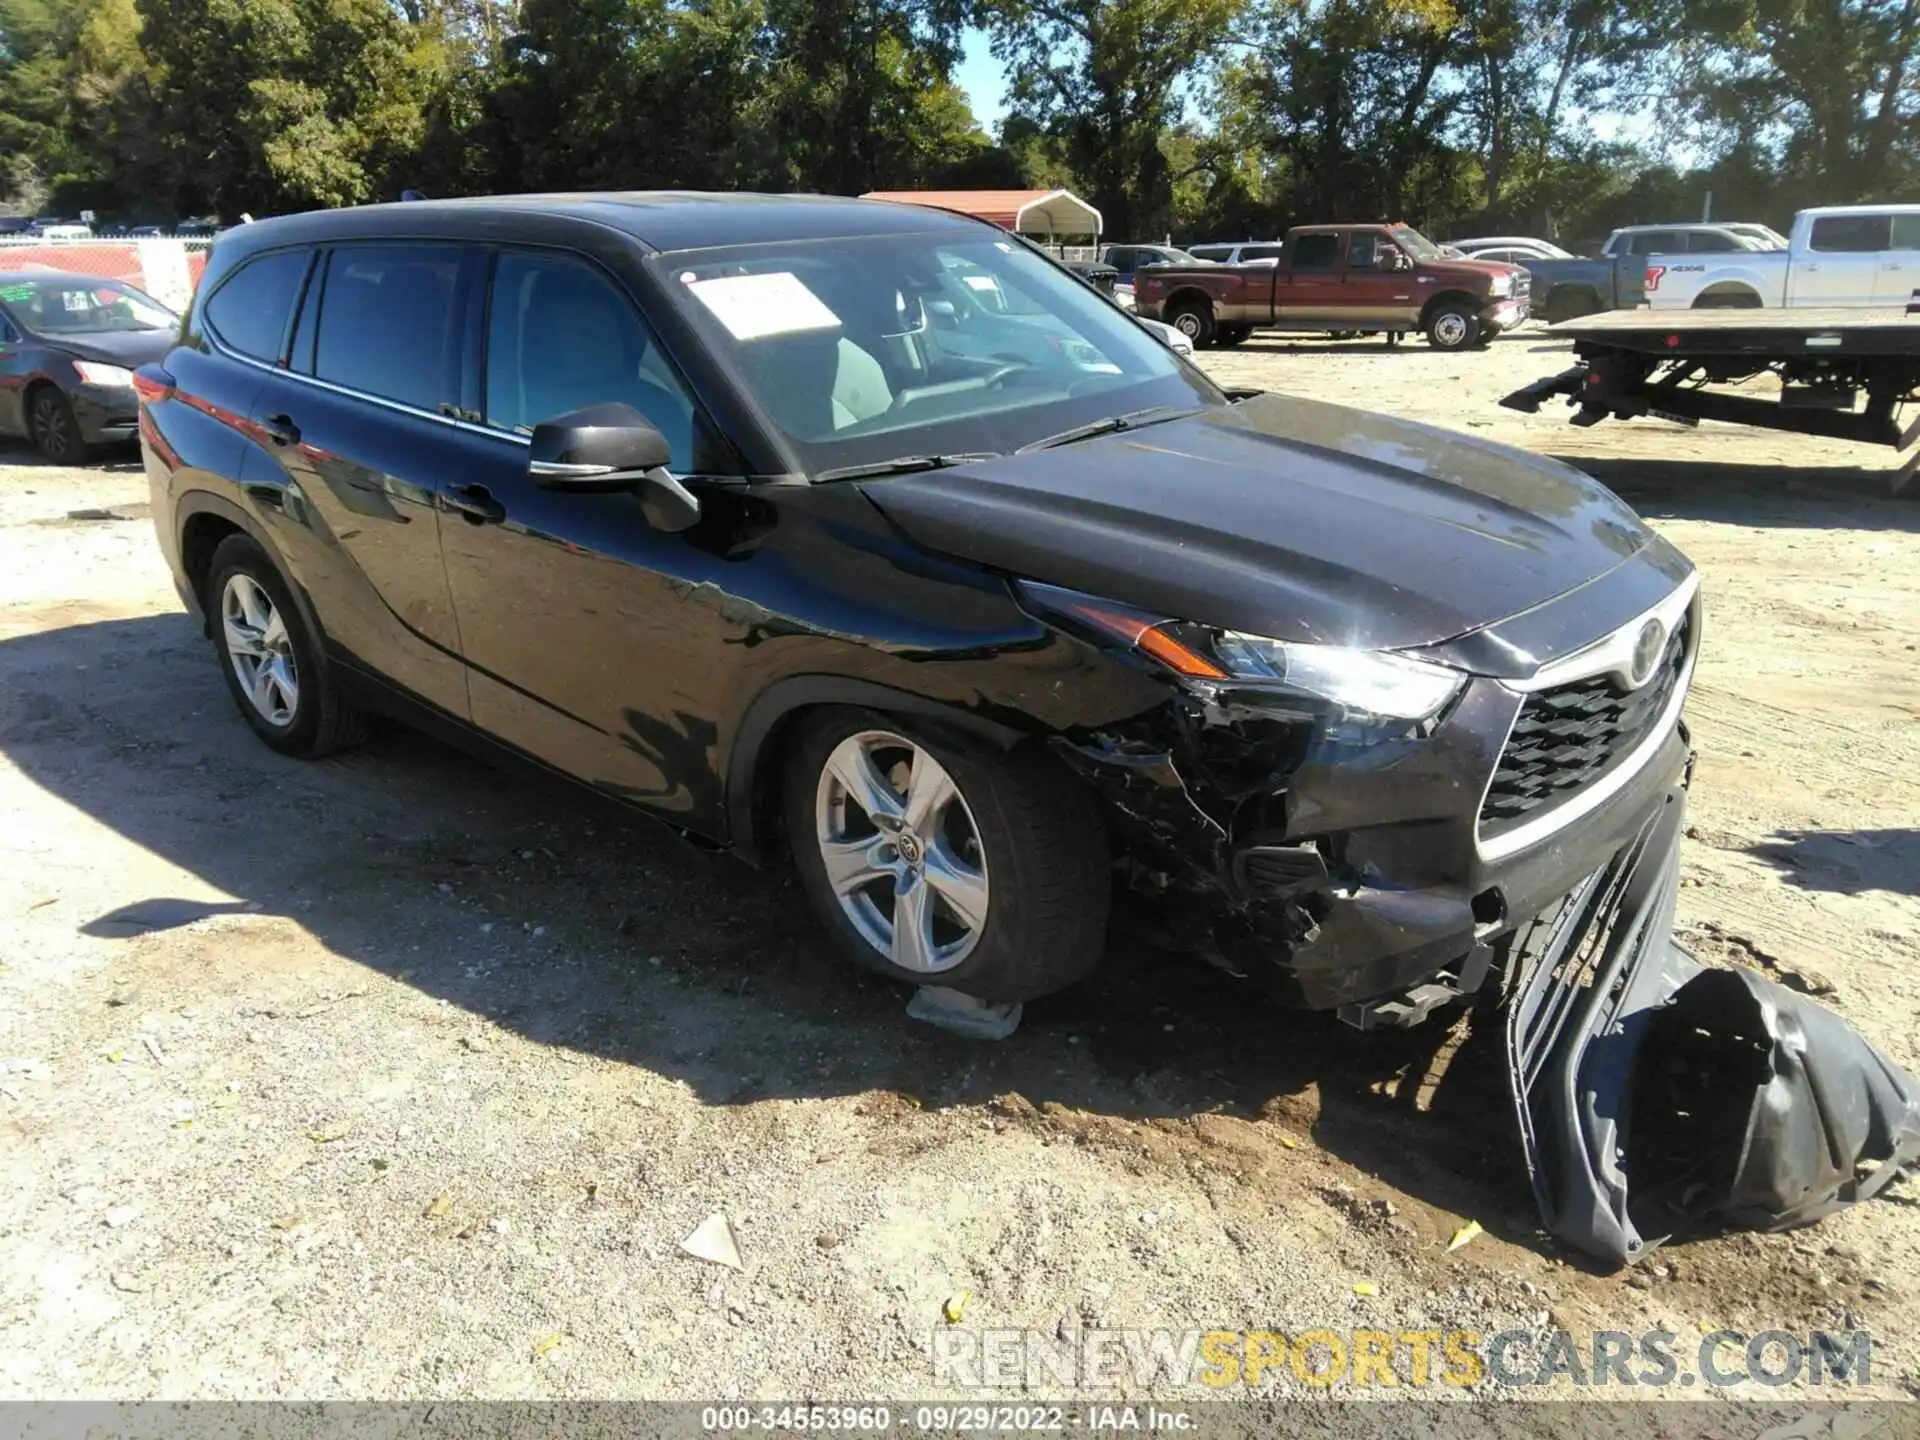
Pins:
x: 1841, y: 255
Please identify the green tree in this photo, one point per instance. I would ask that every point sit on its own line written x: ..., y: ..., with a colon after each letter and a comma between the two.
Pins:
x: 285, y: 104
x: 1828, y: 89
x: 1108, y: 78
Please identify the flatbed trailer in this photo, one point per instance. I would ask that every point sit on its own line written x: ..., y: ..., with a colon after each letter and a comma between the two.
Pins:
x: 1846, y: 374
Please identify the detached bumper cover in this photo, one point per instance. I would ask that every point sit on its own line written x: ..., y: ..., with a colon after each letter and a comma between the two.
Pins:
x: 1749, y: 1105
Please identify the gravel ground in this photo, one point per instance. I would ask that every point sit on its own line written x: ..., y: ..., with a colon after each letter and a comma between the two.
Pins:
x: 395, y: 1077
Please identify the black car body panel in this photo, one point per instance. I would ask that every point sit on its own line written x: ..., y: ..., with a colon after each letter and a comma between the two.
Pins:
x: 662, y: 668
x: 1293, y: 518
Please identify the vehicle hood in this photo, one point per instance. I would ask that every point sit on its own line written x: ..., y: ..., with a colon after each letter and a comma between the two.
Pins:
x: 1290, y: 518
x: 1469, y: 271
x: 130, y: 348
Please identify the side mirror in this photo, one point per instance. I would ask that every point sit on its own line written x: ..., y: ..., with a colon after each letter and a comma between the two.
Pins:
x: 603, y: 448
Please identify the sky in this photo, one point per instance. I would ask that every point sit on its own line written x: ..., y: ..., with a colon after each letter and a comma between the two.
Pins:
x: 979, y: 75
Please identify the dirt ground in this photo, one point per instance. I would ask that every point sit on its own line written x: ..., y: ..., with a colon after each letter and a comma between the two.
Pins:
x: 392, y: 1076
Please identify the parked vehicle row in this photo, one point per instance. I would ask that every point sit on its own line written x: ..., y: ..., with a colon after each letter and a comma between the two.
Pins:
x: 1341, y: 279
x: 864, y: 531
x: 68, y: 347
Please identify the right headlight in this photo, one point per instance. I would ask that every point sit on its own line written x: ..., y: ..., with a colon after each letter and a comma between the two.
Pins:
x: 1345, y: 683
x: 1370, y: 682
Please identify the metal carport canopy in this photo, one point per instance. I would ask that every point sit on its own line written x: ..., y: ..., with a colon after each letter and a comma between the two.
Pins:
x: 1028, y: 212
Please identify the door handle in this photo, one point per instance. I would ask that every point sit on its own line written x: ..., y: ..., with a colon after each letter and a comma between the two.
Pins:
x: 475, y: 504
x: 280, y: 429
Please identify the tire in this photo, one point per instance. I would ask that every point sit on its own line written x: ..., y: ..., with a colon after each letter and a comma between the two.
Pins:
x: 1193, y: 319
x: 299, y: 710
x: 1452, y: 326
x: 1569, y: 305
x: 54, y: 431
x: 1019, y: 838
x: 1234, y: 334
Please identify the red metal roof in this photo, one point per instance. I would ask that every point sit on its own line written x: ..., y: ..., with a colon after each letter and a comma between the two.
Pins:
x: 1006, y: 208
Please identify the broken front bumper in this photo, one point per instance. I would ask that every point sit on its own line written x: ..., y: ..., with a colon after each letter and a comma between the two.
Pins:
x: 1747, y: 1105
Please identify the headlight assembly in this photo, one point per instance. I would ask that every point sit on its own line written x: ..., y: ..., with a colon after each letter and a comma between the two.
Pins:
x: 1347, y: 684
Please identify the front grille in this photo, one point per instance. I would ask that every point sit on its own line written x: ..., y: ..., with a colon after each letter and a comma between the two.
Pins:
x: 1566, y: 738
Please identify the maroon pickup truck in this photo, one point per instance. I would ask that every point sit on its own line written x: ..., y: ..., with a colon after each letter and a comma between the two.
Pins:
x: 1355, y: 279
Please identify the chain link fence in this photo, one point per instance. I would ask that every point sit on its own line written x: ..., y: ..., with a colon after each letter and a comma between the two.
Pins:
x: 166, y: 268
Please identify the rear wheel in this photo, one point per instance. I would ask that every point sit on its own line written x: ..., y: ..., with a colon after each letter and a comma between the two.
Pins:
x: 1728, y: 300
x: 1569, y: 305
x: 55, y: 433
x: 938, y: 860
x: 271, y: 658
x: 1453, y: 326
x: 1193, y: 319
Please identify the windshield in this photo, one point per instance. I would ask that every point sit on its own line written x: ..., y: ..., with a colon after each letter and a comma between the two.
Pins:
x: 863, y: 349
x: 83, y: 307
x: 1414, y: 243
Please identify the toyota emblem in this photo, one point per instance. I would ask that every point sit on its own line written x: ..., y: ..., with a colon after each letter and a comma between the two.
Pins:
x: 1647, y: 649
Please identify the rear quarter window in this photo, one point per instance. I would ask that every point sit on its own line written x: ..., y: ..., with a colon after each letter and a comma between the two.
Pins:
x: 388, y: 323
x: 1316, y: 252
x: 250, y: 310
x: 1851, y: 234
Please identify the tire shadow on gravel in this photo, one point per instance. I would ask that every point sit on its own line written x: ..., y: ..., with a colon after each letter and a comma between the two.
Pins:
x: 543, y: 912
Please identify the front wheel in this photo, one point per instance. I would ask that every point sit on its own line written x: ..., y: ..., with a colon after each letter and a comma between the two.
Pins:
x: 55, y: 433
x: 1453, y: 326
x: 939, y: 860
x: 1193, y: 319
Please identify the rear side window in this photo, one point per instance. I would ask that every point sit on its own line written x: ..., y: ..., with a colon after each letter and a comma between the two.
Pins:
x: 388, y: 325
x: 1659, y: 242
x: 1708, y: 242
x: 1906, y: 232
x: 1211, y: 252
x: 1852, y: 234
x: 1260, y: 252
x: 250, y: 310
x: 1316, y: 252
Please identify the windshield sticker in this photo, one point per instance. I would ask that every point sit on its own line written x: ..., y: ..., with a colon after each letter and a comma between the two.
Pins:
x: 753, y: 307
x: 16, y: 293
x: 981, y: 282
x: 1003, y: 247
x: 74, y: 299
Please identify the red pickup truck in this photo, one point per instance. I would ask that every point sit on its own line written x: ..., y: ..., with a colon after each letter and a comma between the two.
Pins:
x: 1340, y: 279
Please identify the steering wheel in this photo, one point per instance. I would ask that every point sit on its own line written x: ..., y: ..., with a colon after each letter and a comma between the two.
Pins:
x: 1000, y: 373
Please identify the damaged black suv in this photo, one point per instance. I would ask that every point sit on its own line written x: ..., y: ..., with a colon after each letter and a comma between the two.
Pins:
x: 866, y: 530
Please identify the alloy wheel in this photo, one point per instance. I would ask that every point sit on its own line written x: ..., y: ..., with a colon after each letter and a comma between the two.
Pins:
x: 902, y: 853
x: 260, y: 650
x: 53, y: 426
